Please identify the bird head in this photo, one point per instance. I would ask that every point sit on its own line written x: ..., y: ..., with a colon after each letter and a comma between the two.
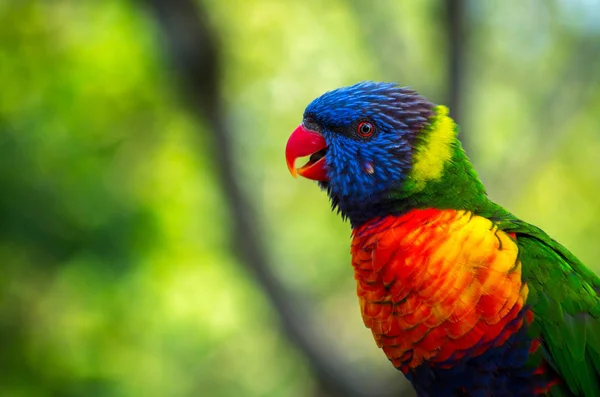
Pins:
x: 364, y: 143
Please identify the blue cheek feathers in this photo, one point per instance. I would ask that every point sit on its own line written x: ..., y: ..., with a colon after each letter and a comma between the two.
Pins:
x: 362, y: 172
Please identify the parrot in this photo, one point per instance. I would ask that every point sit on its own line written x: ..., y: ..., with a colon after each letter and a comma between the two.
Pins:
x: 463, y: 297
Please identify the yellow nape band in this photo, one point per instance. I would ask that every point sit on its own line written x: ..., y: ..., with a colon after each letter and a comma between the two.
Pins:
x: 436, y: 150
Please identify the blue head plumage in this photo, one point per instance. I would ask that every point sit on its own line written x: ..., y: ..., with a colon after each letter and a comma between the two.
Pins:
x: 370, y: 130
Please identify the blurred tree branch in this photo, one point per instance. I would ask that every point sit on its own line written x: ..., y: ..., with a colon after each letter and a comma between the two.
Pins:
x: 194, y: 51
x: 455, y: 18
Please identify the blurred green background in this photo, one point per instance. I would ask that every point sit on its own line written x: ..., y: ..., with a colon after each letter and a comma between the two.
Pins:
x: 119, y: 275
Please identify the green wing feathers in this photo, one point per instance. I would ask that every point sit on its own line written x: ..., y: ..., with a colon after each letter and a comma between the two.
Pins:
x: 564, y: 296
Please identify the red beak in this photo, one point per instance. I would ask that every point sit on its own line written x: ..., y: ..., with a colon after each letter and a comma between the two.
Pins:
x: 305, y: 142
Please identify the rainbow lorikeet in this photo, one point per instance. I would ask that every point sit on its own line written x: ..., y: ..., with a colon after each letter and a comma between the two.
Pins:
x: 462, y: 296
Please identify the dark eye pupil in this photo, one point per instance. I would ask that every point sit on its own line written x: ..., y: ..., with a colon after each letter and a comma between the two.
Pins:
x: 365, y: 128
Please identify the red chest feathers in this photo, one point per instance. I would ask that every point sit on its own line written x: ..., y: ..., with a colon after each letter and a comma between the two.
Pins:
x: 436, y: 285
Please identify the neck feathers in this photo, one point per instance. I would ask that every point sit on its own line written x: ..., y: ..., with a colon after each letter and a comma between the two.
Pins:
x: 433, y: 149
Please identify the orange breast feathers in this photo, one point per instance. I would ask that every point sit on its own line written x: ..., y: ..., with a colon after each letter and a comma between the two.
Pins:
x: 435, y: 285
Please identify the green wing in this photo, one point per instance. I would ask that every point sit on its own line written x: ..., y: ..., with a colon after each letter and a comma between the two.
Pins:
x: 565, y: 298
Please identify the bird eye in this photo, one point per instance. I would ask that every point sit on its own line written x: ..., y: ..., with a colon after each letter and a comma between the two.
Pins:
x: 365, y: 129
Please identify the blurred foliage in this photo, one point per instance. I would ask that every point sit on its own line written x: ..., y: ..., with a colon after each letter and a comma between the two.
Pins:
x: 116, y: 275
